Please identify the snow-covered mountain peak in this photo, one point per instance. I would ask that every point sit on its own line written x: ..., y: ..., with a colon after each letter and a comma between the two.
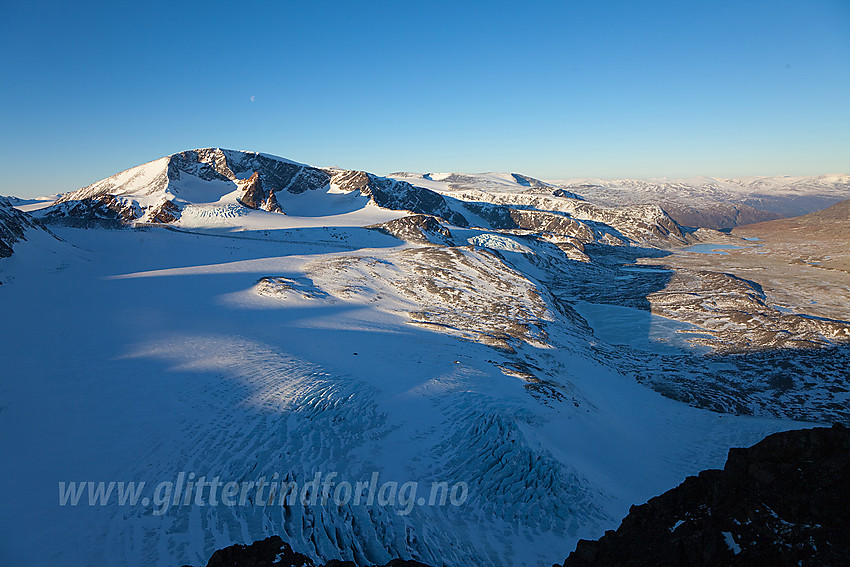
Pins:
x: 221, y: 187
x: 160, y: 190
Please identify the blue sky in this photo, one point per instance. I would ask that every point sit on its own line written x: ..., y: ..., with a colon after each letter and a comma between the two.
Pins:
x: 550, y: 89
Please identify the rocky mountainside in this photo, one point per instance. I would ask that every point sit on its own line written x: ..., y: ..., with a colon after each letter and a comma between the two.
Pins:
x: 13, y: 227
x: 780, y: 502
x: 834, y: 220
x: 839, y: 212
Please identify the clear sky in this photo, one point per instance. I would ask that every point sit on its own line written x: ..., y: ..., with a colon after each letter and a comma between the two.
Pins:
x: 550, y: 89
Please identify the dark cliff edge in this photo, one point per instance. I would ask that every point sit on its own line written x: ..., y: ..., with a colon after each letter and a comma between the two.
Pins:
x: 783, y: 501
x: 274, y: 552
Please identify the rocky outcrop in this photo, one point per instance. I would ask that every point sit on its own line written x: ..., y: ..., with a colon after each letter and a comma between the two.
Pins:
x: 274, y: 552
x: 783, y: 501
x: 275, y: 174
x: 165, y: 212
x: 556, y: 223
x: 271, y: 204
x: 567, y: 194
x: 420, y: 229
x: 253, y: 195
x: 641, y: 224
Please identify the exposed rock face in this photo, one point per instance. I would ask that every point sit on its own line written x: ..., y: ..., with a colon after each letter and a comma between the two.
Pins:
x: 271, y: 204
x: 274, y: 552
x: 252, y: 192
x: 103, y: 210
x: 255, y: 197
x: 783, y: 501
x: 109, y: 210
x: 275, y: 174
x: 165, y: 212
x: 269, y: 552
x: 13, y: 226
x: 558, y: 224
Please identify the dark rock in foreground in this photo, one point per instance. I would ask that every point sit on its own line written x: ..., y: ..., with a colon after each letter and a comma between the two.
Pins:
x: 783, y: 501
x: 274, y: 552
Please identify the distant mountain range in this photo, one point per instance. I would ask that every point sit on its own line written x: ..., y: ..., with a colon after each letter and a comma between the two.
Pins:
x: 707, y: 202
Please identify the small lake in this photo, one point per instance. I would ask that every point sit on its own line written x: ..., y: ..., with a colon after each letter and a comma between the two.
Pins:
x: 710, y: 248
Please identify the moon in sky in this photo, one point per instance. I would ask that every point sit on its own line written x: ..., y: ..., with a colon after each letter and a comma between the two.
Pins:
x: 252, y: 98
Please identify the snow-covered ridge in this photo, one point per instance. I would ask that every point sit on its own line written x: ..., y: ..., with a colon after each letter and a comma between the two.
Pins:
x: 534, y: 204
